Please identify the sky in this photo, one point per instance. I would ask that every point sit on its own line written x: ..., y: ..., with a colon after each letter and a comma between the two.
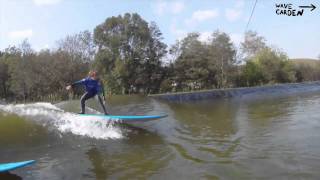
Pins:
x: 44, y: 22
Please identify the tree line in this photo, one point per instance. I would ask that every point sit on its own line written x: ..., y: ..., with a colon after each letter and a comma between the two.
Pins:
x: 131, y: 57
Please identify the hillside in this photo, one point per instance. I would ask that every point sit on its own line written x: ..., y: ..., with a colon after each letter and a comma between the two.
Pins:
x: 305, y: 61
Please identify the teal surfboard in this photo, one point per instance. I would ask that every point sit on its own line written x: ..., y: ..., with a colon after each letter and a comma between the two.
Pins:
x: 126, y: 118
x: 14, y: 165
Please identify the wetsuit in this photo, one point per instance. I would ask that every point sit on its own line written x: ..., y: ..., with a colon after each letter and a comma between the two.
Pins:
x: 93, y: 87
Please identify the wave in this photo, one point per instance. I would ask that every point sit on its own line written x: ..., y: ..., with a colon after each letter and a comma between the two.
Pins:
x: 66, y: 122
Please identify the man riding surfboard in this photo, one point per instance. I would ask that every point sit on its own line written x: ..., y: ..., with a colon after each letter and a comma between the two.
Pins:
x: 93, y: 87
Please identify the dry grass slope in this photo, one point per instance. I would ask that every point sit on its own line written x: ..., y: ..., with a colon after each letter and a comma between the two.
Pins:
x: 306, y: 61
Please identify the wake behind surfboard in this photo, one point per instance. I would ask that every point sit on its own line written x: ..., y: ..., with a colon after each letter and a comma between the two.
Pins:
x: 125, y: 118
x: 14, y: 165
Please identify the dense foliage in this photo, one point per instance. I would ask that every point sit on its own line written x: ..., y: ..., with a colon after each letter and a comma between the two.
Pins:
x: 131, y: 57
x: 129, y: 52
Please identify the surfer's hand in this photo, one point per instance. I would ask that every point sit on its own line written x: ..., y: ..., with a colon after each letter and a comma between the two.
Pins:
x: 69, y: 87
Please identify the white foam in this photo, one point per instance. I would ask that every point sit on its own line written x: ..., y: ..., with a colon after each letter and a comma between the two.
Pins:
x: 65, y: 122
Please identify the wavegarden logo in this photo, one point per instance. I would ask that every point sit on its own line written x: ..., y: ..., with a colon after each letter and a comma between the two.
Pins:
x: 289, y: 10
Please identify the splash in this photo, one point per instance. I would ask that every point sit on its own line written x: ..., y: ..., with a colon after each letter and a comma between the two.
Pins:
x: 65, y: 122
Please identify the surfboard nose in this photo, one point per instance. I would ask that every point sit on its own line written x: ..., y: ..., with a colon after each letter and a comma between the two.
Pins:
x: 4, y: 167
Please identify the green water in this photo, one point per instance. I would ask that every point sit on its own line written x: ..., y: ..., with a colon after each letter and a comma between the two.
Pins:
x: 267, y: 138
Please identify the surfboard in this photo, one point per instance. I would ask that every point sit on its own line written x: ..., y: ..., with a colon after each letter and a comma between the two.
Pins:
x: 14, y: 165
x: 126, y: 118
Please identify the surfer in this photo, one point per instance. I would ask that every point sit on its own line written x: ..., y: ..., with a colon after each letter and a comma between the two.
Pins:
x: 93, y: 87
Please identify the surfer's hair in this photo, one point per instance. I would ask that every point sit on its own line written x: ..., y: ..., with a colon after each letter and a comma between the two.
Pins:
x: 93, y: 73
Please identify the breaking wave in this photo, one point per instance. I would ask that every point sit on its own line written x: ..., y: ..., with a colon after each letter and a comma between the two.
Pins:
x: 49, y: 115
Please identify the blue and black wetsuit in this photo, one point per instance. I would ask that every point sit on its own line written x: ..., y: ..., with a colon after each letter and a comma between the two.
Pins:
x: 93, y: 87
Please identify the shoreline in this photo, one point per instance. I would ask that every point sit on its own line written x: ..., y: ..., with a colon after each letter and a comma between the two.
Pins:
x: 241, y: 92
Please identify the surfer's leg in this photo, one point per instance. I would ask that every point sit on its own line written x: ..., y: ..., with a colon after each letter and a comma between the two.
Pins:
x: 101, y: 103
x: 83, y: 99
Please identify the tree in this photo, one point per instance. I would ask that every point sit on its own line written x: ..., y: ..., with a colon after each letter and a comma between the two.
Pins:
x: 253, y: 43
x: 153, y: 71
x: 4, y: 76
x: 275, y: 66
x: 168, y: 83
x: 191, y: 64
x: 8, y: 60
x: 79, y: 46
x: 129, y: 52
x: 27, y: 75
x: 223, y: 56
x: 76, y: 53
x: 201, y: 65
x: 252, y: 74
x: 307, y: 70
x: 21, y: 70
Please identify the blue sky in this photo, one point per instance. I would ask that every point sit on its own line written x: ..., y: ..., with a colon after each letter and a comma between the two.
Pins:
x: 44, y: 22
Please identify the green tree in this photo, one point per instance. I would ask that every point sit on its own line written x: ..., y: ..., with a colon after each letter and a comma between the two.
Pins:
x: 223, y: 56
x: 34, y: 75
x: 269, y: 66
x: 252, y: 74
x: 74, y: 55
x: 20, y: 71
x: 203, y: 65
x: 168, y: 84
x: 129, y: 53
x: 307, y: 70
x: 4, y: 75
x: 153, y: 71
x: 191, y: 64
x: 80, y: 46
x: 253, y: 43
x: 276, y: 66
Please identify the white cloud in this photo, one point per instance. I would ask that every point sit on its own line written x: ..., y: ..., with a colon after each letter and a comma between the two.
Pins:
x: 177, y: 7
x: 22, y: 34
x: 233, y: 14
x: 239, y: 4
x: 178, y: 33
x: 202, y: 15
x: 205, y: 36
x: 162, y: 7
x: 42, y: 47
x: 46, y: 2
x: 236, y: 38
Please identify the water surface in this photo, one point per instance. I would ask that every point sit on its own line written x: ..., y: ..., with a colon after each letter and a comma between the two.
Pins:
x: 266, y: 138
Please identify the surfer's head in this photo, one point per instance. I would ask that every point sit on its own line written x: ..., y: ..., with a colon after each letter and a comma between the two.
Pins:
x: 93, y: 74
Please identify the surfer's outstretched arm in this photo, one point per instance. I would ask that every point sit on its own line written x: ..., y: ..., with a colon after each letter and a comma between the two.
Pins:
x: 82, y: 81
